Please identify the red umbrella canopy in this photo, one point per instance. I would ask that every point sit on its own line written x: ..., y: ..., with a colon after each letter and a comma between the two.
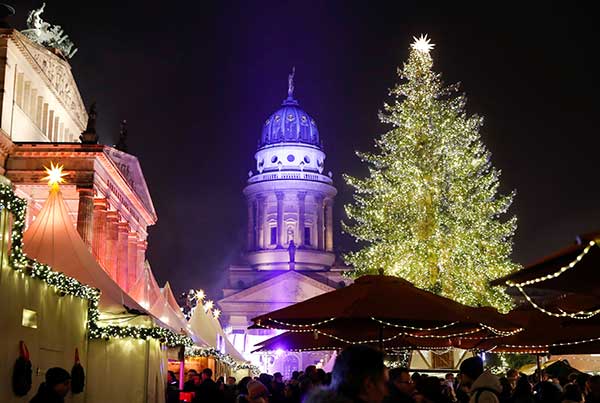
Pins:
x: 568, y: 270
x: 544, y: 334
x: 387, y: 304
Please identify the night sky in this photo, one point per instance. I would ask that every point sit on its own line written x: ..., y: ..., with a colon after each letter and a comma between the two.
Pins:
x: 196, y: 80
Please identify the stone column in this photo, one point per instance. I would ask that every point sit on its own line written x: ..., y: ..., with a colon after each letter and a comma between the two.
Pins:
x: 260, y: 222
x: 122, y: 254
x: 132, y: 259
x: 99, y: 237
x: 329, y: 226
x: 141, y: 257
x: 301, y: 214
x: 85, y: 214
x: 251, y: 227
x: 280, y: 229
x: 112, y: 239
x: 320, y: 232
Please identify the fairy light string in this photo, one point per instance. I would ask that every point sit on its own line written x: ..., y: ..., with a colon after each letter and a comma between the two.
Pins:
x: 557, y: 273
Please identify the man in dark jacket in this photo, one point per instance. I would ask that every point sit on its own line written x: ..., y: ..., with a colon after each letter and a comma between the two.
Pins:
x: 401, y: 387
x: 483, y: 386
x: 56, y: 387
x: 359, y: 376
x: 208, y: 391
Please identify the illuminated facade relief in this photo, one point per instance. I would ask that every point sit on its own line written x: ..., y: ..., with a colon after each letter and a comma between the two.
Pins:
x: 289, y: 247
x: 40, y: 99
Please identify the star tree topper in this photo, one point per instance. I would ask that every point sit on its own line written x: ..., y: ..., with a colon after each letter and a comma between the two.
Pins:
x: 422, y: 44
x: 55, y: 175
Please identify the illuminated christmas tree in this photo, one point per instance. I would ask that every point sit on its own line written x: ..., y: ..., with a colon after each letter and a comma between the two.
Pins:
x: 429, y: 210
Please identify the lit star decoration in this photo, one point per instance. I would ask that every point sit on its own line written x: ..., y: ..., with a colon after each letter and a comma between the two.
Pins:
x: 422, y: 44
x: 200, y: 295
x: 55, y: 175
x: 429, y: 209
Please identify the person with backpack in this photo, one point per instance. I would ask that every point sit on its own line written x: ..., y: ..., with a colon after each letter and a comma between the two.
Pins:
x: 483, y: 386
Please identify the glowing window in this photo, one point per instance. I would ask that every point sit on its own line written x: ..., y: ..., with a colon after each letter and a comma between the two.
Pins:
x: 29, y: 318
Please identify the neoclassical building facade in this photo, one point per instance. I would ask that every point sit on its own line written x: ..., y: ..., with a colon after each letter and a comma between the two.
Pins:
x: 43, y: 120
x: 290, y: 245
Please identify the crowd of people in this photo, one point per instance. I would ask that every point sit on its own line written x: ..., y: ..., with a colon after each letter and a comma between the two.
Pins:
x: 360, y: 376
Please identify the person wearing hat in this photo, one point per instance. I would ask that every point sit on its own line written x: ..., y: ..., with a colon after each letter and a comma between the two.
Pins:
x: 257, y: 392
x: 483, y: 386
x: 56, y: 387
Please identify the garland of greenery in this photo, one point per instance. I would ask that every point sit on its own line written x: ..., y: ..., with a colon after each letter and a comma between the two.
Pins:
x: 224, y: 358
x: 70, y: 286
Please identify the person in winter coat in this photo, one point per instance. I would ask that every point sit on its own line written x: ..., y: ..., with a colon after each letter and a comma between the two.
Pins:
x: 359, y: 376
x: 483, y: 386
x: 56, y: 387
x: 572, y: 394
x: 208, y: 391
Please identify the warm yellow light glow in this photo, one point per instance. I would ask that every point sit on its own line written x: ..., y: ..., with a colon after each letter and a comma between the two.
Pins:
x: 208, y: 305
x: 422, y: 44
x: 29, y: 318
x: 200, y: 295
x: 216, y: 313
x: 54, y: 175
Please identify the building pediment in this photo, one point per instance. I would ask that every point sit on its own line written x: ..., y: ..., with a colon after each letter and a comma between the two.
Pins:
x: 288, y: 288
x: 129, y: 167
x: 57, y: 73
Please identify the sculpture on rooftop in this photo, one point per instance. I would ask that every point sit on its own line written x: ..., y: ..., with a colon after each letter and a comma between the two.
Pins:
x: 89, y: 136
x: 291, y: 83
x: 122, y: 143
x: 45, y: 34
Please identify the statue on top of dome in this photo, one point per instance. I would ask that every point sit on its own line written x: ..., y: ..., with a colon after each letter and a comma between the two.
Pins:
x: 291, y: 83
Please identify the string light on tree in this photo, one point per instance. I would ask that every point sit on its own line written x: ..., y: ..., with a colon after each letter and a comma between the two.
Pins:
x: 429, y: 210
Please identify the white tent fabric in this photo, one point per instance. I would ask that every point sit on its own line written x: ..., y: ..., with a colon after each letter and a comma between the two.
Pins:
x: 205, y: 325
x: 52, y: 239
x: 167, y: 292
x: 126, y: 370
x: 146, y: 290
x: 148, y: 294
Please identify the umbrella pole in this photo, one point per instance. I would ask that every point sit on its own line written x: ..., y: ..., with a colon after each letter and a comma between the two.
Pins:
x: 538, y: 361
x: 381, y: 338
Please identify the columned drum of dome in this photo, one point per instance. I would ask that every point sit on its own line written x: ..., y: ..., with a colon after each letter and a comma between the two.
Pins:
x: 289, y: 197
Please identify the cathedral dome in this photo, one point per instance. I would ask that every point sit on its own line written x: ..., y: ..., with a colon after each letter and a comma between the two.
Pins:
x: 289, y: 124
